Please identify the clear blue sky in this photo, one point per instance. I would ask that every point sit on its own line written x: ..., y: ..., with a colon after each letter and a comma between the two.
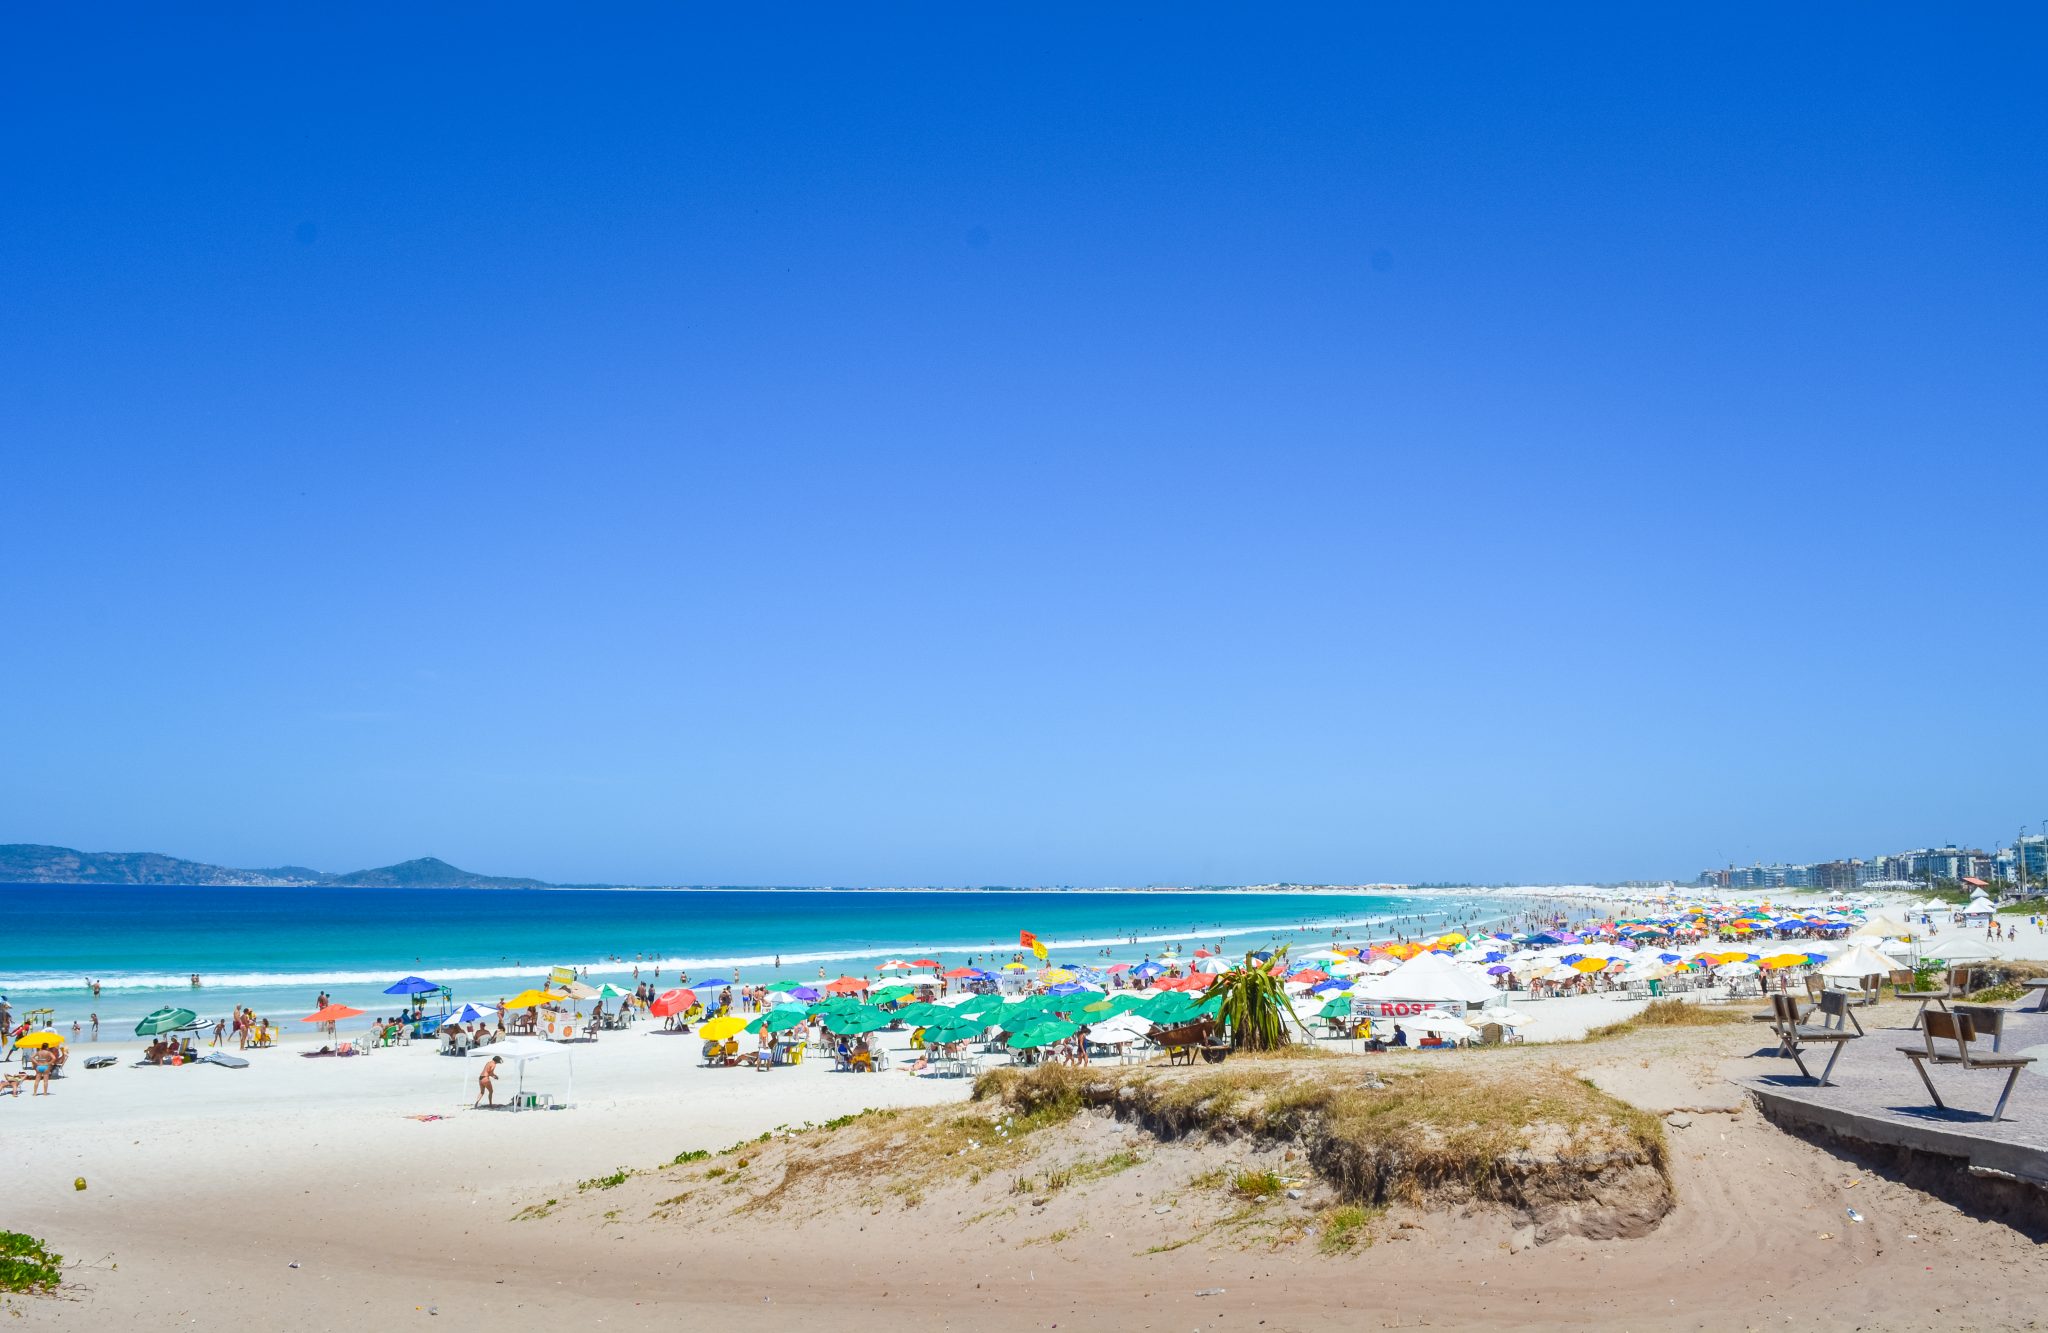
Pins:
x: 893, y: 445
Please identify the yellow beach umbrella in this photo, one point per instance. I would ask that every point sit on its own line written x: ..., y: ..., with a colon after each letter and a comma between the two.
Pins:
x: 1014, y: 967
x: 1055, y: 975
x: 533, y: 999
x: 1590, y: 965
x: 1454, y: 938
x: 718, y: 1029
x: 37, y: 1040
x: 1785, y: 960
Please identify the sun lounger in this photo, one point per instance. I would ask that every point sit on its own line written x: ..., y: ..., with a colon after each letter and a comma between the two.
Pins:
x: 1960, y: 1031
x: 1794, y: 1037
x: 101, y: 1061
x: 224, y: 1060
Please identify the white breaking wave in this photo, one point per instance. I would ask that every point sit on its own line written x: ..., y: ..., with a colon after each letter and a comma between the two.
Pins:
x: 40, y: 982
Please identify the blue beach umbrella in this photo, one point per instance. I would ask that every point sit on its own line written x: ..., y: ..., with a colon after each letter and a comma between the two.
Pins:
x: 469, y: 1013
x: 411, y: 986
x: 1148, y: 968
x: 710, y: 981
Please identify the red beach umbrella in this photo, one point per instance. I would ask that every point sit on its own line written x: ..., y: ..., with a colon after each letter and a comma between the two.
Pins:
x: 958, y: 972
x: 846, y: 985
x: 924, y: 962
x: 672, y: 1002
x: 333, y: 1013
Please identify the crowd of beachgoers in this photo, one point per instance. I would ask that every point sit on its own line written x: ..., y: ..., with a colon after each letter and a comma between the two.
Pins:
x: 1447, y: 988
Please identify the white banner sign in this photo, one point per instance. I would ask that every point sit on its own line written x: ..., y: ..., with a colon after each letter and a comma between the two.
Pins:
x: 1362, y: 1008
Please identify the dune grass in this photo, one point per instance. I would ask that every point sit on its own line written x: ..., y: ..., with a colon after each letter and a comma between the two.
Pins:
x: 1668, y: 1014
x: 1481, y: 1134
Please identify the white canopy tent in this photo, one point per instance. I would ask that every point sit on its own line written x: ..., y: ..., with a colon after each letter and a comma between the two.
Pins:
x: 520, y: 1051
x: 1857, y: 961
x: 1963, y: 951
x: 1430, y: 976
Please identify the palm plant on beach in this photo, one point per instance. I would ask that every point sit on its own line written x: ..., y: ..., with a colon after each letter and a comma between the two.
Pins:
x: 1253, y: 1001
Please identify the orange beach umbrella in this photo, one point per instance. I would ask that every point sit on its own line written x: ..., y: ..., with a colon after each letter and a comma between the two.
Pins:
x: 333, y: 1013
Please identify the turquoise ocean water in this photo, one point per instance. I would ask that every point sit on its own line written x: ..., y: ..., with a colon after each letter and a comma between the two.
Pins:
x: 276, y: 949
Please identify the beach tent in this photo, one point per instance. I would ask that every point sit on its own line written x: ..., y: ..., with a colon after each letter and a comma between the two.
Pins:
x: 1878, y: 927
x: 1962, y: 951
x: 1857, y: 961
x: 521, y: 1051
x: 1429, y: 976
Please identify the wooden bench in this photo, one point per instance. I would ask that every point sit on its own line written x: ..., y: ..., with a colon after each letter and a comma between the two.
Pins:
x: 1988, y: 1019
x: 2038, y: 984
x: 1956, y: 983
x: 1794, y: 1037
x: 1960, y: 1030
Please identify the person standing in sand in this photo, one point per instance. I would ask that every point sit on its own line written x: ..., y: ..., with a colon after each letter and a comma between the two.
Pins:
x: 487, y: 1082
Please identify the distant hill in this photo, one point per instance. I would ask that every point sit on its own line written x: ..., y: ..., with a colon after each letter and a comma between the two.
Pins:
x: 428, y: 872
x: 35, y: 863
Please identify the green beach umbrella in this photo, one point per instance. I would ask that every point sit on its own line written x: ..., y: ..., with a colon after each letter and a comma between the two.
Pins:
x: 940, y: 1034
x: 922, y: 1015
x: 780, y: 1019
x: 784, y: 985
x: 888, y: 993
x: 1042, y: 1034
x: 838, y: 1004
x: 1337, y: 1008
x: 165, y: 1020
x: 866, y: 1018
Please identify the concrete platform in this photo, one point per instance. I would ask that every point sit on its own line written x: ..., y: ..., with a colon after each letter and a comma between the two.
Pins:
x: 1877, y: 1098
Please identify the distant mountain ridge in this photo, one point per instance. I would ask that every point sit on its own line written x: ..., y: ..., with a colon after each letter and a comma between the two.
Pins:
x: 35, y: 863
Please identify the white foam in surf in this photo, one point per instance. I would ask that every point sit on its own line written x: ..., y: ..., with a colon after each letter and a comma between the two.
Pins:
x: 37, y: 983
